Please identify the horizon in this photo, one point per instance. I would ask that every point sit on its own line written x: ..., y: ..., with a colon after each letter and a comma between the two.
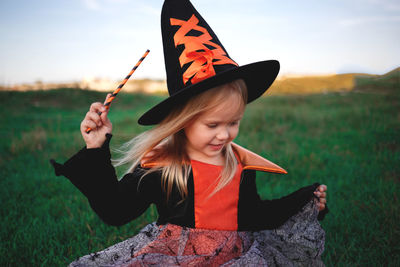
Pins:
x: 140, y: 79
x: 55, y: 41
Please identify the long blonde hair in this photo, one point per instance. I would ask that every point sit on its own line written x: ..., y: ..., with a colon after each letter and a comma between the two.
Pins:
x: 168, y: 141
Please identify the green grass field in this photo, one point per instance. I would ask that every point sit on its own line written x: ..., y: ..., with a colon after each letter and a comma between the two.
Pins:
x: 349, y: 141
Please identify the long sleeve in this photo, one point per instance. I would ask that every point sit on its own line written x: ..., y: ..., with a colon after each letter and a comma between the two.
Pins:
x: 116, y: 202
x: 257, y: 214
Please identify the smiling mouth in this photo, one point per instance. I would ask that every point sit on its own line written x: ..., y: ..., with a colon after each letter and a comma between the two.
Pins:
x: 216, y: 147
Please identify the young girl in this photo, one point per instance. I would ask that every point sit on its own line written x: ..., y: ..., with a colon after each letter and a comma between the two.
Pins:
x: 202, y: 183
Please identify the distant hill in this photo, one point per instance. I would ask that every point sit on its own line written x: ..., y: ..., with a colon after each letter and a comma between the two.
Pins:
x: 313, y: 84
x: 335, y: 83
x: 386, y: 82
x: 393, y: 73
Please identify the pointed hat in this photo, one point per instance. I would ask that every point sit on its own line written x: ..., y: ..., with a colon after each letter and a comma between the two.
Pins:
x: 196, y: 61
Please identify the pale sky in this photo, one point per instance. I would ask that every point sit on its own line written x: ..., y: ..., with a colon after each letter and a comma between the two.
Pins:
x: 63, y: 41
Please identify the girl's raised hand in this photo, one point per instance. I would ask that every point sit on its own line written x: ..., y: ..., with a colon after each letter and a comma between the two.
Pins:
x: 320, y: 192
x: 100, y: 125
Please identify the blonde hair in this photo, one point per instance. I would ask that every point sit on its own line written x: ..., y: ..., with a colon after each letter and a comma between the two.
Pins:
x: 167, y: 140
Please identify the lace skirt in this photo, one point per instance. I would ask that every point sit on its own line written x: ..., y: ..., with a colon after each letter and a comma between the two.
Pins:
x: 299, y: 242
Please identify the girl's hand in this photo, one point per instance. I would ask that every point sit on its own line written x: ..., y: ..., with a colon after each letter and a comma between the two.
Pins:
x: 100, y: 125
x: 320, y: 192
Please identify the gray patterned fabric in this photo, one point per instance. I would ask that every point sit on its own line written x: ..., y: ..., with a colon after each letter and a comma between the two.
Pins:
x: 298, y: 242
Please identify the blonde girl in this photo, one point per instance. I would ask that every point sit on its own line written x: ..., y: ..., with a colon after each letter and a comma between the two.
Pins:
x: 187, y: 165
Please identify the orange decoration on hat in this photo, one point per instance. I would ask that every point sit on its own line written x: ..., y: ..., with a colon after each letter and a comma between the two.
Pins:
x: 203, y: 59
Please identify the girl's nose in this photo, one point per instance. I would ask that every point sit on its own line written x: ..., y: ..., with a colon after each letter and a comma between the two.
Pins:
x: 223, y: 134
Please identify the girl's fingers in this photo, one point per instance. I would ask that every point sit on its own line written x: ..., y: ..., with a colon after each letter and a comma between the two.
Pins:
x: 322, y: 188
x: 321, y: 206
x: 105, y: 119
x: 96, y: 107
x: 95, y: 117
x: 319, y: 194
x: 88, y: 124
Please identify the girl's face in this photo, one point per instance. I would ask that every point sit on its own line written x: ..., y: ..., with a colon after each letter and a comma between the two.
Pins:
x: 213, y: 130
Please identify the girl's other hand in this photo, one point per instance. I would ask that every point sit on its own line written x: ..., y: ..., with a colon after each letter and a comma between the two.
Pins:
x: 320, y: 192
x: 100, y: 125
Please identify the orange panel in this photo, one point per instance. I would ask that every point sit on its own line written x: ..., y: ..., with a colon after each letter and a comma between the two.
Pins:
x: 219, y: 211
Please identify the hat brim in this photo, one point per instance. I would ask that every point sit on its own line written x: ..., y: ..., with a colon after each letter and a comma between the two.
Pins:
x: 258, y: 77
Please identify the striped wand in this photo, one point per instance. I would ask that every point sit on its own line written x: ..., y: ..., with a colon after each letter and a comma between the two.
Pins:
x: 114, y: 94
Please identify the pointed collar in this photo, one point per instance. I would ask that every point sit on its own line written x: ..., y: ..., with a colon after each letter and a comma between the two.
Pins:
x: 252, y: 161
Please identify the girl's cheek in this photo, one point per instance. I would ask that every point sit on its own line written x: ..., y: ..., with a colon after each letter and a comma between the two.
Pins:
x: 235, y: 132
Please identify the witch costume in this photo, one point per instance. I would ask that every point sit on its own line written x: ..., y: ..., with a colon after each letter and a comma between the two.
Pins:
x: 232, y: 227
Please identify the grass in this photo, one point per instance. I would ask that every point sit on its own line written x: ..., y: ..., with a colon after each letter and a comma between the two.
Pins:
x: 349, y: 141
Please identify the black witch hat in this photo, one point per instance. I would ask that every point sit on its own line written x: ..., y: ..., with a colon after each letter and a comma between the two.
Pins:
x: 196, y: 61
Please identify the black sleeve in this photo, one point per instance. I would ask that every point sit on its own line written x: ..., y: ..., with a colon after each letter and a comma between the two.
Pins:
x: 116, y: 202
x: 260, y: 214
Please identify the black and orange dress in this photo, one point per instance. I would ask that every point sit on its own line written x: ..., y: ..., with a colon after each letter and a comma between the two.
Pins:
x: 232, y: 227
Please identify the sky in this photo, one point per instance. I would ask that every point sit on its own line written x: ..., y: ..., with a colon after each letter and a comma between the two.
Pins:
x: 69, y: 40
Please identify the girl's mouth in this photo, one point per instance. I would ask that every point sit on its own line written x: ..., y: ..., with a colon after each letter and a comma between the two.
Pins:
x: 216, y: 147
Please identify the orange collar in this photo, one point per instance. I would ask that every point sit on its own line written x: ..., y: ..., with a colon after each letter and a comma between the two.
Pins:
x: 249, y: 160
x: 252, y: 161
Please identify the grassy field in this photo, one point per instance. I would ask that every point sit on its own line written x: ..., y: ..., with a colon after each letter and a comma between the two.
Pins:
x: 349, y: 141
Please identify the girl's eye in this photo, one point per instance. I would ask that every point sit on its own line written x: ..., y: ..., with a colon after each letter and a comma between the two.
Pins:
x: 212, y: 125
x: 234, y: 123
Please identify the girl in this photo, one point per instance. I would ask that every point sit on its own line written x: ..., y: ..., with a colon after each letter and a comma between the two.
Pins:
x: 202, y: 183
